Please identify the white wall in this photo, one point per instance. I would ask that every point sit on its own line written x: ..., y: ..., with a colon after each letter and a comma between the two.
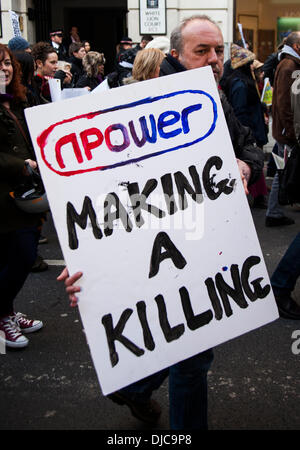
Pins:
x: 219, y: 10
x: 20, y: 7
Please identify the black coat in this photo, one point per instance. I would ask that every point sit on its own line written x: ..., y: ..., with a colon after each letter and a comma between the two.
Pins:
x: 13, y: 152
x: 77, y: 69
x: 242, y: 139
x: 86, y: 81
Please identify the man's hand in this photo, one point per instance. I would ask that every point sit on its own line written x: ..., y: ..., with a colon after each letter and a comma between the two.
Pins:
x: 69, y: 283
x: 245, y: 172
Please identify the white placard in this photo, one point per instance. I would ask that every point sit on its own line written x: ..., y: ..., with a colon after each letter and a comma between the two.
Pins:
x: 152, y: 17
x: 163, y: 280
x: 240, y: 27
x: 15, y: 23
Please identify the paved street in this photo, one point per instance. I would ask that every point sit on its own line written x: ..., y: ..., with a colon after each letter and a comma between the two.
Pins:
x: 253, y: 384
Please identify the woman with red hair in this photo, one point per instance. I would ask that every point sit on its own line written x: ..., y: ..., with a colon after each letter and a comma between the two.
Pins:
x: 19, y: 232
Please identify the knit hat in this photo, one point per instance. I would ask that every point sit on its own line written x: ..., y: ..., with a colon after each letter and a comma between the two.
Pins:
x: 18, y: 43
x: 257, y: 64
x: 240, y: 56
x: 161, y: 42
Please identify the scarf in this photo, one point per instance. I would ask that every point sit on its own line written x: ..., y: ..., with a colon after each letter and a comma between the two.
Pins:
x: 289, y: 51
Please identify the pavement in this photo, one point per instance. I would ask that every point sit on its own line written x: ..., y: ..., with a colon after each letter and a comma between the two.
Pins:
x: 52, y: 385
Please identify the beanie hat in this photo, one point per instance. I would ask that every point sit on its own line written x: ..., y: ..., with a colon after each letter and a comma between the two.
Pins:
x: 240, y: 56
x: 18, y: 43
x: 257, y: 64
x: 161, y: 42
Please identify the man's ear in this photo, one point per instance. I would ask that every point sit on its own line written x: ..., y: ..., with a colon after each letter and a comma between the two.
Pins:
x: 174, y: 53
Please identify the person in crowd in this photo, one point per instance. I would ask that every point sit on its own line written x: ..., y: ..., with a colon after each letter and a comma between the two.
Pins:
x: 87, y: 46
x: 19, y: 233
x: 74, y: 35
x: 161, y: 42
x: 146, y: 65
x: 228, y: 70
x: 93, y: 65
x: 56, y: 41
x: 46, y: 61
x: 144, y: 41
x: 272, y: 61
x: 287, y: 272
x: 284, y: 280
x: 127, y: 57
x: 243, y: 94
x: 18, y: 43
x: 196, y: 42
x: 33, y: 99
x: 125, y: 44
x: 282, y: 124
x: 76, y: 55
x: 28, y: 70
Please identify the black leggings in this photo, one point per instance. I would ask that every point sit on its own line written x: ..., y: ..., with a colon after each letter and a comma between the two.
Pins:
x: 18, y: 251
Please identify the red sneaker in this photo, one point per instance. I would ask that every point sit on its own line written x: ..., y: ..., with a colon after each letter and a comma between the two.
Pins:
x: 10, y: 334
x: 26, y: 325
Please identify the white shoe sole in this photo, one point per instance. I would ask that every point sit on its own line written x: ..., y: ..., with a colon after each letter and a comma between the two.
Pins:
x: 11, y: 344
x: 36, y: 327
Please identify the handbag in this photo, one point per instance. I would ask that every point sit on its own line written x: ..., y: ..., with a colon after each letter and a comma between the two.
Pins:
x: 289, y: 179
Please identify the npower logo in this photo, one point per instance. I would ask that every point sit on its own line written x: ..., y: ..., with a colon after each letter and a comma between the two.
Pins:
x: 128, y: 133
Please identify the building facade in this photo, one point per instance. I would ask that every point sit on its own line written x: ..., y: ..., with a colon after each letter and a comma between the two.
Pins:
x: 104, y: 22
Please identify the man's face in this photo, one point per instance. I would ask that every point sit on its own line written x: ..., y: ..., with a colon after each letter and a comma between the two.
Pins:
x: 202, y: 46
x: 57, y: 38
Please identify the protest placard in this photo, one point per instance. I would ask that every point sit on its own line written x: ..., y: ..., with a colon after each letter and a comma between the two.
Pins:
x: 267, y: 93
x: 148, y: 203
x: 15, y: 23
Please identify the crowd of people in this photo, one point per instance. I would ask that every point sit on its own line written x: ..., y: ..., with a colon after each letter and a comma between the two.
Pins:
x: 196, y: 42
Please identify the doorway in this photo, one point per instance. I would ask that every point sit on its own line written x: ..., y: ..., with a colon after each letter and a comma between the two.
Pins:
x: 102, y: 27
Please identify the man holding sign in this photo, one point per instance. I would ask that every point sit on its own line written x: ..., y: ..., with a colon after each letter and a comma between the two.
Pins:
x: 196, y: 43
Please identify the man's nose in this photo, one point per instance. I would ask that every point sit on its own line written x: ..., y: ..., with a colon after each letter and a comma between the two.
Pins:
x: 212, y: 56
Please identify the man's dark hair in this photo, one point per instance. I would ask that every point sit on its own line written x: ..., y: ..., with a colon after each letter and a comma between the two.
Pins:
x: 176, y: 35
x: 147, y: 38
x: 75, y: 47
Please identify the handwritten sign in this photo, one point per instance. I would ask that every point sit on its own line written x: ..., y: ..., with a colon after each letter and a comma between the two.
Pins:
x: 148, y: 203
x: 15, y: 23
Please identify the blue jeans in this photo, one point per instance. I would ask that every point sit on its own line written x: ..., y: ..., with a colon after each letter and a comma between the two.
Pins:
x: 287, y: 272
x: 274, y: 209
x: 18, y: 251
x: 187, y: 391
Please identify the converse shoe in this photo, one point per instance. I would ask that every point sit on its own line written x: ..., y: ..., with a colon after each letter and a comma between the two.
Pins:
x: 11, y: 335
x: 26, y: 325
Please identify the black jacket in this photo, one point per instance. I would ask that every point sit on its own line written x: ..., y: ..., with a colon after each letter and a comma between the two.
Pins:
x: 77, y: 69
x: 86, y: 81
x: 242, y: 139
x: 14, y: 150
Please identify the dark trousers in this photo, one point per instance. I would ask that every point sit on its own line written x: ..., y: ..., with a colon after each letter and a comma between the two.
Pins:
x: 187, y: 391
x: 287, y: 272
x: 18, y: 251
